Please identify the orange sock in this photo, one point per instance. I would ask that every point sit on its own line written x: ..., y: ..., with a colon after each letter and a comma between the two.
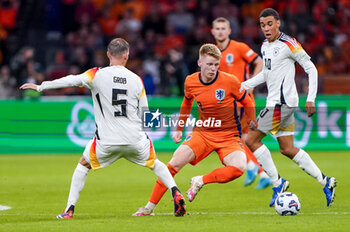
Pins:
x: 222, y: 175
x: 251, y: 156
x: 159, y: 188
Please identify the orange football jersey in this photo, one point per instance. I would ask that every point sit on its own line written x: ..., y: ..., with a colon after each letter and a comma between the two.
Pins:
x: 235, y: 59
x: 216, y: 100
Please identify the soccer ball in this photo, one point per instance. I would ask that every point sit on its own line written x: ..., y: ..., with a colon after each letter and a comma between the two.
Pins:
x: 287, y: 203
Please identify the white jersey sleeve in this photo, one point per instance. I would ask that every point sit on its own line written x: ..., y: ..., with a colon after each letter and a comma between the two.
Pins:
x: 143, y: 103
x: 254, y: 81
x: 305, y: 62
x: 81, y: 80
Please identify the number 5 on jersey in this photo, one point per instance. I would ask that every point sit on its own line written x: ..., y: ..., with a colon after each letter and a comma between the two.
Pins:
x: 121, y: 102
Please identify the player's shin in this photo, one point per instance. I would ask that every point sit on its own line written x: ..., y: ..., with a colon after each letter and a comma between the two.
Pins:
x: 307, y: 164
x: 77, y: 184
x: 165, y: 180
x: 163, y: 174
x: 264, y: 158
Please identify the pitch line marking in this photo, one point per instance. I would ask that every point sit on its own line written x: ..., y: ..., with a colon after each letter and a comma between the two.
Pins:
x: 252, y: 213
x: 4, y: 207
x: 166, y: 214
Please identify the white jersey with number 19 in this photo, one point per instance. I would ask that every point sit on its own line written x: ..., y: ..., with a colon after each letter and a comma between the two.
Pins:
x: 119, y: 99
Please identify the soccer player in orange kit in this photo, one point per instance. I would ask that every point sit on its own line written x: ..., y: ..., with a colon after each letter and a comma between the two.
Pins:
x: 236, y: 59
x: 216, y: 94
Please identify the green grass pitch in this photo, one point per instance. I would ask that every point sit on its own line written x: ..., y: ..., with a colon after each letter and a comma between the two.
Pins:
x: 36, y: 187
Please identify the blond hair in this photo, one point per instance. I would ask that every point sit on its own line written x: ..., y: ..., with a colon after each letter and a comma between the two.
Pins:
x: 210, y: 50
x: 221, y: 20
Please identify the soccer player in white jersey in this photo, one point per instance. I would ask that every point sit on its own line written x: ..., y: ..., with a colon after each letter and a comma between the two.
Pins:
x: 279, y: 53
x: 119, y: 98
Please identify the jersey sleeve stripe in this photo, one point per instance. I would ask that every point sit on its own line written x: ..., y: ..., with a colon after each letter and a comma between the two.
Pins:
x: 241, y: 99
x: 143, y: 93
x: 239, y: 128
x: 91, y: 74
x: 256, y: 57
x: 293, y: 46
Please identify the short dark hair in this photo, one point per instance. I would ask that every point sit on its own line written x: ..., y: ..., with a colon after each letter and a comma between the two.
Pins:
x: 270, y: 12
x: 118, y: 47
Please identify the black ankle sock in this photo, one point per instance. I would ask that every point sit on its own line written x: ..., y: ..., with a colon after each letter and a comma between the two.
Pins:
x: 173, y: 190
x: 71, y: 207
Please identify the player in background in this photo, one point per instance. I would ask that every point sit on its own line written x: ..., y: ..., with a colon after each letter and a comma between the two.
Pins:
x: 119, y: 98
x: 280, y: 52
x: 216, y: 94
x: 237, y: 58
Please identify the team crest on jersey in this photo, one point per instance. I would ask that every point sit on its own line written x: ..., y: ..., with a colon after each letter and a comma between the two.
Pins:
x: 229, y: 58
x: 188, y: 137
x: 276, y: 50
x: 220, y: 94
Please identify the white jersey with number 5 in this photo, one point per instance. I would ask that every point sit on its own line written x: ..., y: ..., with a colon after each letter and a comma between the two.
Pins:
x: 119, y: 99
x: 278, y: 72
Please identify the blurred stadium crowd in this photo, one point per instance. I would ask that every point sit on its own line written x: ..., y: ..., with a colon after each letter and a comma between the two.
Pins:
x: 47, y: 39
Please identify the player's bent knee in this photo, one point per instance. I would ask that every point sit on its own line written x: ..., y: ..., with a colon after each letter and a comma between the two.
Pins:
x: 251, y: 143
x: 182, y: 156
x: 83, y: 162
x: 236, y: 159
x: 289, y: 151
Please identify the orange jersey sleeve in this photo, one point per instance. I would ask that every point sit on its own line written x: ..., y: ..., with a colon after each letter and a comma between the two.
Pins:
x: 235, y: 59
x: 186, y: 105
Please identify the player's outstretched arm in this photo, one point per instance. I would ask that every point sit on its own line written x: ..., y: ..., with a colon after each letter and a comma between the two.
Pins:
x: 185, y: 111
x: 254, y: 81
x: 80, y: 80
x: 29, y: 86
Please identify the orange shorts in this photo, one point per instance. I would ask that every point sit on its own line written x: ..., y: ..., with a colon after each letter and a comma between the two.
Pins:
x: 202, y: 145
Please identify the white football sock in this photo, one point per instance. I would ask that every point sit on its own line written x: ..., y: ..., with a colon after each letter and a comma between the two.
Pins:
x: 250, y: 165
x: 161, y: 170
x: 150, y: 205
x: 263, y: 175
x: 77, y: 184
x: 264, y: 158
x: 307, y: 164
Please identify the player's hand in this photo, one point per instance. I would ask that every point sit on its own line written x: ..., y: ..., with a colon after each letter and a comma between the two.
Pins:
x: 177, y: 136
x: 250, y: 92
x: 29, y: 86
x: 310, y: 108
x: 253, y: 124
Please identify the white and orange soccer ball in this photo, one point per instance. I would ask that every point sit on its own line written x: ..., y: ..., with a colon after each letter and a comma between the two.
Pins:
x: 287, y: 203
